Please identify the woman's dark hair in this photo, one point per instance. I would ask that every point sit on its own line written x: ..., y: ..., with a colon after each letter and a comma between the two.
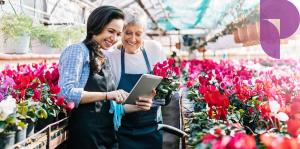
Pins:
x: 96, y: 22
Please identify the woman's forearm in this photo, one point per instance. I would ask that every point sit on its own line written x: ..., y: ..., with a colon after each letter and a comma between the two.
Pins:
x: 128, y: 108
x: 90, y: 97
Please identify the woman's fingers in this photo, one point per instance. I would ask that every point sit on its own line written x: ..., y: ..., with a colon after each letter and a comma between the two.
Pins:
x: 153, y: 92
x: 144, y: 103
x: 124, y: 94
x: 145, y: 99
x: 144, y: 108
x: 119, y: 97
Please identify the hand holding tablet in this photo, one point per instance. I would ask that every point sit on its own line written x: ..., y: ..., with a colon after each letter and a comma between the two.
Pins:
x: 143, y: 88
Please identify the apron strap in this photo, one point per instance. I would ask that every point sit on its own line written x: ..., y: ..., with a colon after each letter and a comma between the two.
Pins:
x: 146, y: 60
x: 123, y: 61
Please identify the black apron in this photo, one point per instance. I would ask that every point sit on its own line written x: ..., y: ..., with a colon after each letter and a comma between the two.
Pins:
x: 91, y: 125
x: 139, y: 129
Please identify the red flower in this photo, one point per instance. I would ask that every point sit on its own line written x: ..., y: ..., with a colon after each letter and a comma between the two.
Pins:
x: 278, y: 142
x: 208, y: 138
x: 22, y: 93
x: 176, y: 70
x: 54, y: 89
x: 241, y: 141
x: 59, y: 101
x: 55, y: 75
x: 293, y: 127
x: 218, y: 131
x: 48, y: 76
x: 189, y: 83
x: 203, y: 80
x: 37, y: 95
x: 265, y: 110
x: 171, y: 61
x: 215, y: 99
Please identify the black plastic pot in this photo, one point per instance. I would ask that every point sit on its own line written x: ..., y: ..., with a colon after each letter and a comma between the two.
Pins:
x: 20, y: 135
x: 7, y: 140
x: 42, y: 123
x: 30, y: 129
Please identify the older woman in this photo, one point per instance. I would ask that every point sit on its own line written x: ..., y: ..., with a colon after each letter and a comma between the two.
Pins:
x: 136, y: 57
x: 86, y: 79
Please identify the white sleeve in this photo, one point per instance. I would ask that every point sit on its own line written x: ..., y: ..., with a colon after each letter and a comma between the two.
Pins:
x: 158, y: 54
x: 163, y: 53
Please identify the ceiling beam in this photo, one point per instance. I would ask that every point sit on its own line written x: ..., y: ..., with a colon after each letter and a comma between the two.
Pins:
x: 140, y: 3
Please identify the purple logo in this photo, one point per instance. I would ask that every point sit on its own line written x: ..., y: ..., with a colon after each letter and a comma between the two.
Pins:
x: 286, y: 18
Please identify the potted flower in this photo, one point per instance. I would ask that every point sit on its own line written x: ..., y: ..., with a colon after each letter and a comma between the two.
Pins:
x: 15, y: 33
x: 170, y: 83
x: 7, y: 114
x: 47, y: 40
x: 30, y: 111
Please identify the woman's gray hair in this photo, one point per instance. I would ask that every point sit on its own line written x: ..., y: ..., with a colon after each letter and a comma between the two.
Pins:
x: 135, y: 15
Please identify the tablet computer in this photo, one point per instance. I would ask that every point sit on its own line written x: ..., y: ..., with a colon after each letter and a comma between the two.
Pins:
x: 143, y: 87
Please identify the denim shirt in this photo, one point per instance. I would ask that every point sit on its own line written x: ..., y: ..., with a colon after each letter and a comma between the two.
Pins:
x: 74, y: 70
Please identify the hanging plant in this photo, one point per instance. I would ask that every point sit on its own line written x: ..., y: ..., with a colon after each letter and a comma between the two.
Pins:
x: 15, y: 25
x: 49, y: 36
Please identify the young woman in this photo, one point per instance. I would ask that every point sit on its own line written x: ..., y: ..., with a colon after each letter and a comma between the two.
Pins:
x: 86, y: 79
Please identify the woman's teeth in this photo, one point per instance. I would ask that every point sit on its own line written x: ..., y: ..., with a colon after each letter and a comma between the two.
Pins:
x: 131, y: 43
x: 108, y: 43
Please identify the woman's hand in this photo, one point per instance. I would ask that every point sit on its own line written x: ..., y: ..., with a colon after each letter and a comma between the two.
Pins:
x: 119, y: 96
x: 145, y: 103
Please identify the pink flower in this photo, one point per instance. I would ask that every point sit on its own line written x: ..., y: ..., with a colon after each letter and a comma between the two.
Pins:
x: 189, y: 83
x: 293, y: 127
x: 59, y: 101
x: 242, y: 141
x: 69, y: 106
x: 171, y: 61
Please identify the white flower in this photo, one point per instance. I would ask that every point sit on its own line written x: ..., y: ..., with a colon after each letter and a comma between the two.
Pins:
x: 282, y: 116
x: 275, y: 107
x: 7, y: 107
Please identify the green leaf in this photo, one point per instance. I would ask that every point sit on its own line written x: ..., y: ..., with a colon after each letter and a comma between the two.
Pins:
x: 2, y: 126
x: 42, y: 114
x: 23, y: 110
x: 21, y: 125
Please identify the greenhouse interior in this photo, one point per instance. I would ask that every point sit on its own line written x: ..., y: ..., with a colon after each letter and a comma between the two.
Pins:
x: 151, y: 74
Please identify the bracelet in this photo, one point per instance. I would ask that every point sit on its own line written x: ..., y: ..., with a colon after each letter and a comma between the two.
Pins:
x: 105, y: 95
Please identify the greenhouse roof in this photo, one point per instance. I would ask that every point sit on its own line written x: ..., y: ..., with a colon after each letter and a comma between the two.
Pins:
x: 188, y: 14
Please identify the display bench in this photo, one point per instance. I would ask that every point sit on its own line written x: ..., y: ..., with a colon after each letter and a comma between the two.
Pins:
x: 50, y: 137
x: 14, y: 59
x: 186, y: 110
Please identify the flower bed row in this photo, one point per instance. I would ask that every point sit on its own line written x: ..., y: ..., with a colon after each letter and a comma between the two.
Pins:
x: 243, y: 104
x: 29, y: 101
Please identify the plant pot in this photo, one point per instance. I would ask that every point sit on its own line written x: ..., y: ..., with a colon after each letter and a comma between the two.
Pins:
x: 30, y: 129
x: 42, y: 123
x: 236, y: 37
x: 7, y: 140
x: 243, y: 36
x: 20, y: 135
x: 253, y: 32
x: 18, y: 45
x: 41, y: 48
